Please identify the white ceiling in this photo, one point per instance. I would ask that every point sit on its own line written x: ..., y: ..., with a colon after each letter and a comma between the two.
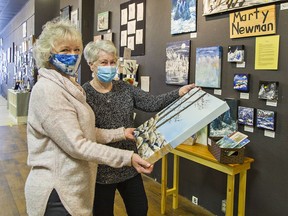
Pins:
x: 8, y: 9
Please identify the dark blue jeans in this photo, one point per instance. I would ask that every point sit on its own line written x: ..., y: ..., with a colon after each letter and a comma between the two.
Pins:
x: 55, y: 206
x: 132, y: 192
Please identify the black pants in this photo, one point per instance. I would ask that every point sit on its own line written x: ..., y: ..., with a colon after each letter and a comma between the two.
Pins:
x: 132, y: 192
x: 55, y: 206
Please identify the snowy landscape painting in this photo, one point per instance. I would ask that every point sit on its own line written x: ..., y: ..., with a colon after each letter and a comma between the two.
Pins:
x: 208, y: 66
x: 235, y: 53
x: 226, y: 123
x: 177, y: 122
x: 266, y: 119
x: 241, y: 82
x: 177, y: 62
x: 183, y: 16
x: 268, y: 90
x: 246, y: 115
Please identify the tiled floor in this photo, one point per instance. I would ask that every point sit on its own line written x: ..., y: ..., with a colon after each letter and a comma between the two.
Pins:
x: 5, y: 119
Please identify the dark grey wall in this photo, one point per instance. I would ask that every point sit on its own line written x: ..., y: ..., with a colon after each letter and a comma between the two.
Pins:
x: 267, y: 185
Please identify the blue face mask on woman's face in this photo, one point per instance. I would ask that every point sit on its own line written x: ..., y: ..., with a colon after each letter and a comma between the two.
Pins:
x: 65, y: 63
x: 106, y: 73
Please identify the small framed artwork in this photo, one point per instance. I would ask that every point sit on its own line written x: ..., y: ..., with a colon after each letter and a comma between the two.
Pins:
x: 266, y: 119
x: 103, y: 21
x: 108, y: 36
x: 208, y: 67
x: 183, y: 16
x: 235, y: 53
x: 246, y: 115
x: 241, y: 82
x: 74, y: 17
x: 65, y: 13
x: 177, y: 62
x: 268, y: 90
x: 226, y: 123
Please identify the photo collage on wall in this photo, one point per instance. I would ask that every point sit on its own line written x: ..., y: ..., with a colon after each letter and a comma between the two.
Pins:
x: 132, y: 27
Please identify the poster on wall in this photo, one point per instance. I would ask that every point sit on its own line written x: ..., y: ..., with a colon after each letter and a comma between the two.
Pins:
x: 220, y: 6
x: 177, y: 62
x: 183, y: 16
x: 132, y: 27
x: 208, y: 66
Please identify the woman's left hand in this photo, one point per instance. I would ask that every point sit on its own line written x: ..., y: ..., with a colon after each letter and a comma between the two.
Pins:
x: 129, y: 133
x: 185, y: 89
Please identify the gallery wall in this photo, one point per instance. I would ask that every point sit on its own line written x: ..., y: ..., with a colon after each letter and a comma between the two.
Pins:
x: 267, y: 185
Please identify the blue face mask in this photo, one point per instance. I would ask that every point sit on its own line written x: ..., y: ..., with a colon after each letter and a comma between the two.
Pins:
x: 106, y: 73
x: 65, y: 63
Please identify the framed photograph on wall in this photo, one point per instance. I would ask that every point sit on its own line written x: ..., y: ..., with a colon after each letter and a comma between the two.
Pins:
x: 220, y: 6
x: 65, y: 13
x: 183, y: 16
x: 208, y: 67
x: 177, y: 62
x: 103, y: 20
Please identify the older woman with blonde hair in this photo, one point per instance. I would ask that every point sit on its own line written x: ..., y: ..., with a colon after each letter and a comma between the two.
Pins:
x: 63, y: 143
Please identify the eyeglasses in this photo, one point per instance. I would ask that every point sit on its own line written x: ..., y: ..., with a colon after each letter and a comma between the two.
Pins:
x: 106, y: 62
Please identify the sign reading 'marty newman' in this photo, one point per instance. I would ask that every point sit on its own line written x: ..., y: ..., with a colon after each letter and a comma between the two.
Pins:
x: 253, y: 22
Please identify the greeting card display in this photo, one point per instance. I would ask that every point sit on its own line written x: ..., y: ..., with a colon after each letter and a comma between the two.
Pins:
x: 177, y: 122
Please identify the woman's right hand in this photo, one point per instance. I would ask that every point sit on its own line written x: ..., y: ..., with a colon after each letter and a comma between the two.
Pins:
x: 141, y: 165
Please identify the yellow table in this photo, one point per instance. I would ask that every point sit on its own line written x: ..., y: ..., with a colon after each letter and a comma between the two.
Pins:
x: 200, y: 154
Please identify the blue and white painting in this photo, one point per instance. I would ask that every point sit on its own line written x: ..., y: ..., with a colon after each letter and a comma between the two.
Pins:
x: 235, y: 53
x: 246, y: 115
x: 183, y: 16
x: 177, y: 62
x: 241, y: 82
x: 266, y: 119
x: 208, y: 67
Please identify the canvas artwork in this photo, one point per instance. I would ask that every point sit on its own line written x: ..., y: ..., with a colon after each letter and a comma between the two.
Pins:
x: 103, y: 21
x: 65, y: 13
x: 208, y: 67
x: 183, y: 16
x: 268, y: 90
x: 235, y: 53
x: 177, y: 62
x: 177, y: 122
x: 246, y: 115
x: 227, y: 122
x: 266, y: 119
x: 241, y: 82
x: 220, y: 6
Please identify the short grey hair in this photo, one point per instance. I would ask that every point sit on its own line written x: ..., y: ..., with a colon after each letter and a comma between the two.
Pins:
x: 52, y: 32
x: 92, y: 49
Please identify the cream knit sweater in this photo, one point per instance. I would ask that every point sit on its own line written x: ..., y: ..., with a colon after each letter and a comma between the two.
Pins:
x: 62, y: 148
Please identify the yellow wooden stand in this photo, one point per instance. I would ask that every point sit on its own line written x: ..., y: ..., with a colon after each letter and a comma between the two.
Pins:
x: 200, y: 154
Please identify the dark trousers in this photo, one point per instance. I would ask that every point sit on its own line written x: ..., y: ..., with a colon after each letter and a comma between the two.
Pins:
x: 132, y: 192
x: 55, y: 206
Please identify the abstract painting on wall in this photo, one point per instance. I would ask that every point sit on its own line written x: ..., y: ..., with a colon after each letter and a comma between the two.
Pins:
x: 220, y: 6
x: 183, y: 16
x: 268, y: 90
x: 235, y: 53
x: 177, y: 62
x: 177, y: 122
x: 208, y: 67
x: 266, y: 119
x: 241, y: 82
x: 246, y: 115
x: 226, y: 123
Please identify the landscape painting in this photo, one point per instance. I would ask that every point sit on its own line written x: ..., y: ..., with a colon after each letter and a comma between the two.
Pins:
x: 235, y: 53
x: 241, y: 82
x: 208, y: 67
x: 176, y: 123
x: 266, y: 119
x: 177, y: 62
x: 183, y: 16
x: 268, y: 90
x: 246, y: 115
x: 220, y: 6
